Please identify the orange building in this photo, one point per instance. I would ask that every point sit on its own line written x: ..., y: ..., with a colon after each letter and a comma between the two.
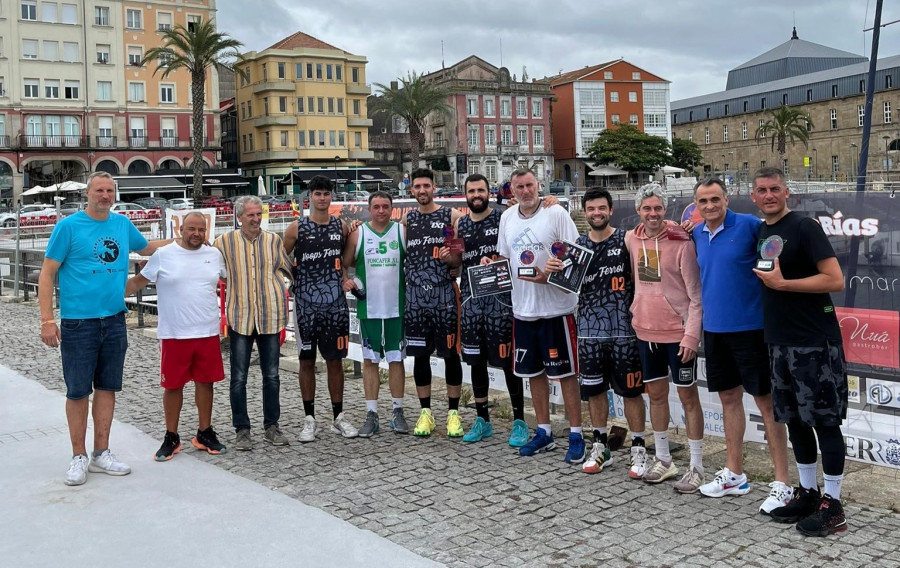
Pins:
x: 587, y: 100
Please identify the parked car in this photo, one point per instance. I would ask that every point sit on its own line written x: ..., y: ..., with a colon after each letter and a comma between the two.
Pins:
x: 122, y: 207
x: 179, y: 203
x: 559, y: 187
x: 448, y: 192
x: 29, y: 213
x: 151, y: 202
x: 67, y: 209
x: 216, y: 201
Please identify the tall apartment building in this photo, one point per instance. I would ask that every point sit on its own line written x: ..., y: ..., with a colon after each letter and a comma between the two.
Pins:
x: 74, y: 98
x: 588, y: 100
x: 303, y: 109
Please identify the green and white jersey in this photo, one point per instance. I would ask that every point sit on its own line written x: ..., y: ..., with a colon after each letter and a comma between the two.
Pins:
x: 379, y: 265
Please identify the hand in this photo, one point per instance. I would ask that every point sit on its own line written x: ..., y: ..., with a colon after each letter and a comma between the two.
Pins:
x: 686, y: 354
x: 454, y: 272
x: 141, y: 264
x: 485, y: 260
x: 444, y: 253
x: 771, y: 278
x: 349, y: 284
x: 549, y: 201
x: 554, y: 265
x: 511, y: 201
x: 541, y: 277
x: 354, y: 224
x: 50, y: 335
x: 688, y: 226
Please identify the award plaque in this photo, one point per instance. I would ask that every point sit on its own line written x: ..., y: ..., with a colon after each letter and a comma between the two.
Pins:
x: 490, y: 279
x: 575, y: 259
x: 525, y: 260
x: 769, y: 250
x: 455, y: 245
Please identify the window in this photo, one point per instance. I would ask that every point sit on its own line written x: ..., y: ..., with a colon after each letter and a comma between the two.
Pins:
x: 762, y: 103
x: 339, y: 72
x: 835, y: 166
x: 163, y: 21
x: 29, y: 49
x: 250, y: 141
x: 473, y: 168
x: 746, y: 105
x: 537, y: 108
x: 505, y: 108
x: 282, y: 104
x: 29, y: 10
x: 862, y: 85
x: 320, y: 105
x: 593, y: 120
x: 105, y: 132
x: 167, y: 137
x: 69, y: 14
x: 167, y: 93
x: 607, y: 75
x: 633, y: 119
x: 329, y: 72
x: 266, y: 106
x: 888, y: 82
x: 506, y: 135
x: 137, y: 130
x: 690, y: 135
x: 284, y: 138
x: 330, y: 105
x: 51, y: 50
x: 538, y: 137
x: 31, y: 88
x: 104, y: 90
x: 887, y: 112
x: 763, y: 134
x: 342, y: 140
x: 522, y: 136
x: 340, y: 106
x: 726, y: 110
x: 268, y: 141
x: 762, y: 163
x: 785, y: 168
x: 49, y: 12
x: 834, y: 119
x: 51, y: 88
x: 861, y: 114
x: 357, y: 139
x: 309, y: 75
x: 724, y: 133
x: 134, y: 19
x: 165, y: 58
x: 136, y: 92
x: 244, y: 141
x: 632, y: 96
x: 615, y: 119
x: 490, y: 171
x: 614, y: 96
x: 312, y: 138
x: 193, y: 22
x: 70, y: 51
x: 490, y: 135
x: 521, y: 108
x: 101, y: 16
x: 301, y: 139
x: 784, y: 99
x: 332, y: 138
x: 321, y: 138
x: 472, y: 107
x: 473, y: 137
x: 318, y: 71
x: 299, y: 71
x: 354, y: 74
x: 299, y: 105
x: 635, y: 76
x: 808, y: 95
x: 743, y: 131
x: 707, y: 135
x: 310, y: 105
x: 834, y: 91
x: 707, y: 112
x: 356, y: 107
x: 72, y: 90
x: 102, y: 53
x: 135, y: 55
x: 265, y: 72
x: 282, y: 70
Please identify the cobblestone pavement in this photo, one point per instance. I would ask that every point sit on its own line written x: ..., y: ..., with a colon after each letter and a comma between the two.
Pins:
x: 473, y: 505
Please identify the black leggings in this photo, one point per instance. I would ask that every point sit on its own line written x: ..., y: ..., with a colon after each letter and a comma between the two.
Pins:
x: 830, y: 443
x: 422, y: 370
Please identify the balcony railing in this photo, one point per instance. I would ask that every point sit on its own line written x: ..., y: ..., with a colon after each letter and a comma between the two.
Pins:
x: 106, y: 141
x: 4, y: 141
x: 137, y: 141
x: 168, y: 142
x: 53, y: 141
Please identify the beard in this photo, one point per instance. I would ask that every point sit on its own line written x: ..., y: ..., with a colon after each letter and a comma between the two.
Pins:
x: 480, y: 208
x: 599, y: 226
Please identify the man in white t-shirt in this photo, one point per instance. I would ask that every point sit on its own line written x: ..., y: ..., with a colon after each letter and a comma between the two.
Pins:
x: 544, y: 332
x: 186, y: 274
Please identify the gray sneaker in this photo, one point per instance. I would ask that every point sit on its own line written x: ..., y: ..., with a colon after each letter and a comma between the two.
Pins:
x: 370, y: 427
x: 398, y: 422
x: 242, y: 442
x: 274, y: 436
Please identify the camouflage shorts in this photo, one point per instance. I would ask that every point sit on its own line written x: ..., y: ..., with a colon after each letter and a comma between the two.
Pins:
x: 809, y: 384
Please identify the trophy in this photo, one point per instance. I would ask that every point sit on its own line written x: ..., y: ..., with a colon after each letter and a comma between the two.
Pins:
x: 769, y: 250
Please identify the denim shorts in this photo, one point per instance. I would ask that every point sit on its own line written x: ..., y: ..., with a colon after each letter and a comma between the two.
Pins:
x: 93, y: 354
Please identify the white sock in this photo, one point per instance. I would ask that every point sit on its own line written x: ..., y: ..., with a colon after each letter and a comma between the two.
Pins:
x: 807, y: 473
x: 575, y: 430
x: 661, y: 441
x: 696, y: 454
x: 372, y: 405
x: 397, y: 403
x: 546, y: 428
x: 637, y: 435
x: 833, y: 485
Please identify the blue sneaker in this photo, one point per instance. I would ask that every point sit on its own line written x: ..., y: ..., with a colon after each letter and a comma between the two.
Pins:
x: 480, y: 429
x: 519, y: 435
x: 576, y: 449
x: 540, y: 442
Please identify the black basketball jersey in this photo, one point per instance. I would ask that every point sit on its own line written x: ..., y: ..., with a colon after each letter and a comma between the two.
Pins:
x: 607, y: 291
x: 425, y: 235
x: 480, y: 238
x: 318, y: 277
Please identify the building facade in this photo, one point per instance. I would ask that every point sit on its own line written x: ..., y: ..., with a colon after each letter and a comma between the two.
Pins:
x: 74, y: 97
x: 302, y: 107
x: 587, y: 100
x: 828, y: 84
x: 496, y: 123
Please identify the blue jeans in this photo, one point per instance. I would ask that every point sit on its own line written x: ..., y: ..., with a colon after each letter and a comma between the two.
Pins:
x: 93, y: 354
x: 268, y: 345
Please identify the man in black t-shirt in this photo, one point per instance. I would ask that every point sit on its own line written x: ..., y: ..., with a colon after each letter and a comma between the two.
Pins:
x: 809, y: 380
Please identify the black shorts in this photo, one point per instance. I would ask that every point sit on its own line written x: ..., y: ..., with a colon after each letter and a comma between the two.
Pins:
x: 546, y: 345
x: 486, y: 329
x: 604, y: 361
x: 659, y: 359
x: 431, y: 320
x: 809, y: 384
x: 737, y: 359
x: 324, y: 328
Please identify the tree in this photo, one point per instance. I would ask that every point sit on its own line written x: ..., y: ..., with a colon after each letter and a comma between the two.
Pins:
x: 413, y: 99
x: 785, y: 125
x: 630, y: 149
x: 686, y: 154
x: 195, y: 50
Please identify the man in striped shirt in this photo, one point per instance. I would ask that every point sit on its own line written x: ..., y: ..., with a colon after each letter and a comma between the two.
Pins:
x: 256, y: 310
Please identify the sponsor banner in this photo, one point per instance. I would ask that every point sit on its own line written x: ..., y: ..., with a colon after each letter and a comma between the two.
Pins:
x: 884, y: 452
x: 175, y: 218
x: 882, y: 393
x: 870, y: 336
x: 853, y: 389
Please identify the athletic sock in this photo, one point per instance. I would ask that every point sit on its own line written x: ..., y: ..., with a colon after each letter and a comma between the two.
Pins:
x: 396, y: 403
x: 481, y: 409
x: 425, y: 402
x: 696, y: 454
x: 807, y: 473
x: 661, y: 441
x: 309, y: 407
x: 546, y: 428
x: 453, y: 402
x: 575, y: 430
x: 337, y: 408
x: 372, y: 406
x: 833, y: 485
x: 600, y: 435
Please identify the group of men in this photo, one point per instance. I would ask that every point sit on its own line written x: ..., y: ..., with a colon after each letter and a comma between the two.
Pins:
x: 648, y: 298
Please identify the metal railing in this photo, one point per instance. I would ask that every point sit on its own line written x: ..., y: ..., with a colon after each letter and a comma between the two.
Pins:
x: 53, y: 141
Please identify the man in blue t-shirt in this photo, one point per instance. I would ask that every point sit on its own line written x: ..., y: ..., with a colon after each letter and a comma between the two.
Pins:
x: 89, y: 251
x: 737, y: 359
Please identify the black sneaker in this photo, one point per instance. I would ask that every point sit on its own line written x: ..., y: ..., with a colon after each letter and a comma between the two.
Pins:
x: 828, y: 519
x: 803, y: 504
x: 207, y: 440
x: 171, y: 445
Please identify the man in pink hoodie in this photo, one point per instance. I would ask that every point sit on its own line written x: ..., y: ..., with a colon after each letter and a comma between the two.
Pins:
x: 667, y: 320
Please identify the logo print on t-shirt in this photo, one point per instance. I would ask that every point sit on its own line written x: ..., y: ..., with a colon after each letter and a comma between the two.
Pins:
x: 648, y: 266
x: 106, y: 249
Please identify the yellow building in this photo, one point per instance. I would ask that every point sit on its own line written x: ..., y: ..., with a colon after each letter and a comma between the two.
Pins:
x: 302, y: 108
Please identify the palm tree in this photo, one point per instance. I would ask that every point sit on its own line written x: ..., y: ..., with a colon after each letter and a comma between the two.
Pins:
x: 412, y: 100
x: 195, y: 50
x: 786, y: 125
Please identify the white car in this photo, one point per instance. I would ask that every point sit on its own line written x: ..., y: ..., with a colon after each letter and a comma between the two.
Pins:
x: 135, y: 212
x: 29, y: 213
x: 180, y: 203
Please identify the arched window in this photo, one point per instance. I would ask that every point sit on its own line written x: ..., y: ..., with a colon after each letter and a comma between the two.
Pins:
x: 138, y: 167
x: 107, y: 166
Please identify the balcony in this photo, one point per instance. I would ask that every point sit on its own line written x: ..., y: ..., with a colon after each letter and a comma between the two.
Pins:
x: 263, y: 155
x: 206, y: 143
x: 360, y: 154
x: 4, y: 141
x: 358, y: 89
x: 137, y: 141
x: 398, y: 140
x: 436, y: 148
x: 105, y: 141
x: 169, y: 142
x: 359, y: 121
x: 53, y: 141
x: 273, y: 86
x: 275, y: 120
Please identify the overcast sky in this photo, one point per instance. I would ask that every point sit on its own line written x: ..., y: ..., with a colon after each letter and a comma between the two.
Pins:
x: 692, y: 43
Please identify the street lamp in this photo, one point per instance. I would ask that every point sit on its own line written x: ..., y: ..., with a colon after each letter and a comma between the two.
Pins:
x: 336, y: 159
x: 815, y: 164
x: 887, y: 163
x: 852, y: 160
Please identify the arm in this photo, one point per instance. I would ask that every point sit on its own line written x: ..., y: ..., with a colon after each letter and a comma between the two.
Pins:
x: 290, y: 237
x: 153, y: 245
x: 829, y: 279
x: 49, y: 331
x: 690, y: 272
x: 452, y: 260
x: 135, y: 283
x: 349, y: 259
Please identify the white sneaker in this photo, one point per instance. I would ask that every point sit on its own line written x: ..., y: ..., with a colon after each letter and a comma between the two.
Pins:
x: 77, y: 473
x: 310, y: 429
x: 344, y: 428
x: 726, y: 483
x: 779, y: 496
x: 638, y: 462
x: 107, y: 463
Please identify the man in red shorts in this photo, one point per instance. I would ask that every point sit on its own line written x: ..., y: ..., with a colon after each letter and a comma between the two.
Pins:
x: 186, y: 274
